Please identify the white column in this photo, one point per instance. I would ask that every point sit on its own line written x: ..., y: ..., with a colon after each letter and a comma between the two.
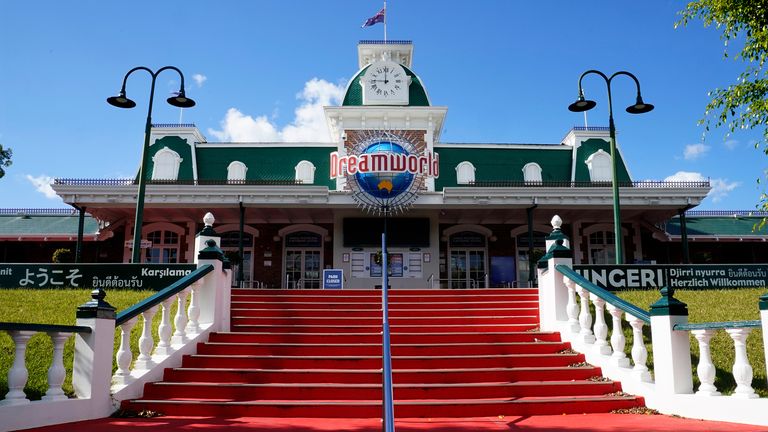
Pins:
x: 764, y: 323
x: 671, y: 355
x: 572, y: 307
x: 585, y: 317
x: 618, y: 341
x: 193, y: 313
x: 164, y: 330
x: 57, y: 373
x: 180, y: 319
x: 146, y: 341
x: 601, y: 328
x: 17, y: 374
x: 705, y: 369
x: 742, y: 371
x: 639, y: 353
x: 124, y: 355
x: 92, y: 367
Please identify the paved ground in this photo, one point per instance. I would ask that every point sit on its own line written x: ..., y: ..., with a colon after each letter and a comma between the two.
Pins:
x: 564, y: 423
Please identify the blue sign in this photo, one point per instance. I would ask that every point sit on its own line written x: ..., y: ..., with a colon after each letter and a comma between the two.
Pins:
x: 333, y: 279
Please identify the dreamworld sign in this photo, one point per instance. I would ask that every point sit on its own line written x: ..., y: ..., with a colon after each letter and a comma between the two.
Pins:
x: 392, y: 162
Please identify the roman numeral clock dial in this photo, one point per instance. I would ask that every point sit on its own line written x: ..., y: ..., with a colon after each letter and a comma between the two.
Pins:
x: 385, y: 83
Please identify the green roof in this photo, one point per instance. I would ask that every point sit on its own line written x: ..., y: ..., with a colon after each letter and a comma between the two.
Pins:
x: 503, y: 163
x: 180, y: 146
x: 45, y: 225
x: 265, y: 163
x: 717, y: 226
x: 417, y: 96
x: 589, y: 147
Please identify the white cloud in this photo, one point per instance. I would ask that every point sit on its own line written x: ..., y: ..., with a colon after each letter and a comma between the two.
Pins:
x: 731, y: 144
x: 43, y: 185
x: 694, y: 151
x: 308, y: 124
x: 720, y: 187
x: 199, y: 79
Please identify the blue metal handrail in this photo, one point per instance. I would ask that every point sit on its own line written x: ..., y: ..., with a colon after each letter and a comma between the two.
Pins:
x: 162, y: 295
x: 606, y: 295
x: 389, y: 410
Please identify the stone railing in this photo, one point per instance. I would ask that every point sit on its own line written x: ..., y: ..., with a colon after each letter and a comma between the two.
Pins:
x: 202, y: 306
x: 567, y: 301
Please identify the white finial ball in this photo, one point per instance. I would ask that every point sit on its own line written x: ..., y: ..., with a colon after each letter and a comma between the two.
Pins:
x: 208, y: 219
x: 556, y: 222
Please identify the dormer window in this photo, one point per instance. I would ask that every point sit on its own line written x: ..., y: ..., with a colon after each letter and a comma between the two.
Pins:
x: 166, y: 164
x: 236, y: 172
x: 305, y: 172
x: 532, y: 172
x: 599, y: 165
x: 465, y: 173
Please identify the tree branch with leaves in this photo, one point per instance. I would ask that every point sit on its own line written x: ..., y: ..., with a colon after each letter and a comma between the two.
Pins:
x: 743, y: 104
x: 5, y: 159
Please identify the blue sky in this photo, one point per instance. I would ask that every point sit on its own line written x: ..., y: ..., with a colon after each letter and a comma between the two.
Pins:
x: 261, y: 70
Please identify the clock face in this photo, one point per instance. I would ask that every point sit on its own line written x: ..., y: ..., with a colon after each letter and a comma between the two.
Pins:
x: 385, y: 82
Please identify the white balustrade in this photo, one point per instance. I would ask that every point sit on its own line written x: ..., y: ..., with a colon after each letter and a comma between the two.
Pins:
x: 600, y: 328
x: 124, y: 355
x: 585, y: 318
x: 163, y: 347
x: 146, y: 342
x: 571, y: 307
x: 17, y: 374
x: 57, y: 372
x: 639, y: 353
x: 618, y: 341
x: 705, y: 369
x: 193, y: 327
x: 180, y: 320
x: 742, y: 371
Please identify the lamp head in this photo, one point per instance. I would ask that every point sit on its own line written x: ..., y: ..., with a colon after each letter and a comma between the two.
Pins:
x: 181, y: 100
x: 639, y: 107
x: 582, y: 104
x: 121, y: 101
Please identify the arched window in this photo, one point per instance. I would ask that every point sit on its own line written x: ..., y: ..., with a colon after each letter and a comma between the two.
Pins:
x: 236, y: 171
x: 465, y: 173
x: 165, y: 247
x: 166, y: 165
x: 305, y: 172
x: 599, y: 165
x: 532, y: 172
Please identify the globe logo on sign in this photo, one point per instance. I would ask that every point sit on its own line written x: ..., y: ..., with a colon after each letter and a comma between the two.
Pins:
x: 384, y: 185
x: 384, y: 170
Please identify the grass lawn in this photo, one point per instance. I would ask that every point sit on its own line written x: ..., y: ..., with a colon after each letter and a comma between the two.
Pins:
x: 47, y: 306
x: 714, y: 306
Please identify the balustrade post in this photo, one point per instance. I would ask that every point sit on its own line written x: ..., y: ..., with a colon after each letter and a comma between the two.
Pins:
x: 705, y: 369
x: 92, y: 367
x: 618, y: 341
x: 639, y: 353
x: 57, y: 372
x: 742, y: 371
x: 764, y: 324
x: 146, y: 341
x: 18, y: 374
x: 209, y: 291
x: 193, y: 312
x: 585, y: 317
x: 124, y: 354
x: 671, y: 348
x: 600, y: 328
x: 180, y: 320
x: 571, y: 307
x: 163, y: 347
x: 553, y: 294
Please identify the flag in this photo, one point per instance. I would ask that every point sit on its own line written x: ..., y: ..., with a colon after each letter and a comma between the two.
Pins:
x: 379, y: 17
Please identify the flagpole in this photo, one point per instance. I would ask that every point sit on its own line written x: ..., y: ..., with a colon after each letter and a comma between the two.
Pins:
x: 385, y: 21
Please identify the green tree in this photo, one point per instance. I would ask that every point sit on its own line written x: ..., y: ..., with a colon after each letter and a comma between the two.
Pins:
x: 5, y: 159
x: 744, y: 103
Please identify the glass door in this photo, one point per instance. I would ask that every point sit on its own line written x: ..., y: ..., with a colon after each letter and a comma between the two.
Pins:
x: 302, y: 268
x: 458, y: 269
x: 468, y: 268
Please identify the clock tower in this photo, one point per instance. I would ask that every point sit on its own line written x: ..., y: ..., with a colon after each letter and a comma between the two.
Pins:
x: 385, y: 95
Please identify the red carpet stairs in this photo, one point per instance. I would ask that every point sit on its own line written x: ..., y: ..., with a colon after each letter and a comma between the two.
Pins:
x: 311, y: 353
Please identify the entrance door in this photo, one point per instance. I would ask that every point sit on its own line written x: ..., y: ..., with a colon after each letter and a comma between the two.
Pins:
x: 468, y: 268
x: 246, y: 263
x: 302, y: 268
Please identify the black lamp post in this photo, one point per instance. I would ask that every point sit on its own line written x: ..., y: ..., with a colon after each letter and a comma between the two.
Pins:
x: 639, y: 107
x: 121, y: 101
